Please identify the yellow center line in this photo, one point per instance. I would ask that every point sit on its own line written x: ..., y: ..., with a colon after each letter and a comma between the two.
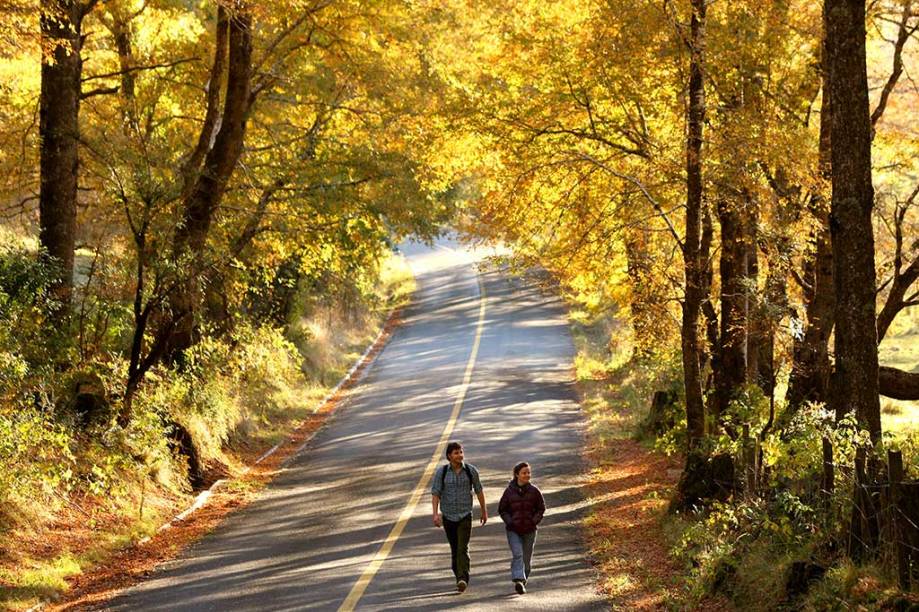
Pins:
x: 364, y: 581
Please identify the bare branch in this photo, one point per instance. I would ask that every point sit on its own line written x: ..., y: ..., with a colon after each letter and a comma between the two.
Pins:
x: 631, y: 179
x: 101, y: 91
x: 903, y: 34
x: 117, y: 73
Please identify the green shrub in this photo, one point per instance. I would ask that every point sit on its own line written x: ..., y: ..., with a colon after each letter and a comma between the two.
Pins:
x: 222, y: 383
x: 36, y: 455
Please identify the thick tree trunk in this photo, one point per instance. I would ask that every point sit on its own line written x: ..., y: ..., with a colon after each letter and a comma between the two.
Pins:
x: 693, y: 265
x: 698, y: 481
x: 59, y: 109
x: 206, y: 193
x: 810, y: 373
x: 732, y: 367
x: 855, y: 380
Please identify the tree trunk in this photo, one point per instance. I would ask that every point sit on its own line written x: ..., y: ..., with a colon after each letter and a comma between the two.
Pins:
x: 645, y: 302
x: 731, y: 373
x: 121, y: 29
x: 810, y: 373
x: 767, y: 320
x: 696, y: 482
x: 59, y: 109
x: 693, y: 266
x: 206, y: 193
x: 855, y: 380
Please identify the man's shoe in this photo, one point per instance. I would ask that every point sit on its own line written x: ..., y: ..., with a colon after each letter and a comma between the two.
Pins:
x: 518, y: 586
x: 461, y: 585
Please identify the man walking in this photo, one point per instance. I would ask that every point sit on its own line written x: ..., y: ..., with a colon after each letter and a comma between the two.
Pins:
x: 452, y: 493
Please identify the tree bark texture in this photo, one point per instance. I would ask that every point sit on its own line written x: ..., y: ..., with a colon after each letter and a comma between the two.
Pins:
x: 207, y: 191
x: 855, y: 380
x: 59, y: 110
x: 693, y: 264
x: 898, y: 384
x: 122, y: 34
x: 810, y: 373
x: 732, y: 370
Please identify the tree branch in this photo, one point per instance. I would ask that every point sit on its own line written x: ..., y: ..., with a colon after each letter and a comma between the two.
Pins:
x: 903, y: 34
x: 631, y: 179
x: 117, y: 73
x: 101, y: 91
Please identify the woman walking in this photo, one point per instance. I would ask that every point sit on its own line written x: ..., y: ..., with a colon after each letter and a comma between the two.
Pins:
x: 521, y: 508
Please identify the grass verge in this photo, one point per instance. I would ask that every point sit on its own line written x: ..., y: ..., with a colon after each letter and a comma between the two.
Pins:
x: 81, y: 550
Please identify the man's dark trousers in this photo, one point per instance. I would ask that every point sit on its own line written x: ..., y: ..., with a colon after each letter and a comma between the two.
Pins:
x: 458, y: 533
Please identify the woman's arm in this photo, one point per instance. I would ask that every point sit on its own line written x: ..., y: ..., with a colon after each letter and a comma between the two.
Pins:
x: 540, y: 509
x: 504, y: 510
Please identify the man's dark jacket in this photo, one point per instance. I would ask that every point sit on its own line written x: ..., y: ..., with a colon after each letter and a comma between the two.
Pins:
x: 521, y: 507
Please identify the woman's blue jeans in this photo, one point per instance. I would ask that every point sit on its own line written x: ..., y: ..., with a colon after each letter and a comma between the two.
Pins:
x: 521, y: 553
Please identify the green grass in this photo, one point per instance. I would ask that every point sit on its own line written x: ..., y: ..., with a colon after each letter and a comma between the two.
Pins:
x: 42, y: 580
x: 616, y: 389
x: 612, y: 405
x: 900, y: 349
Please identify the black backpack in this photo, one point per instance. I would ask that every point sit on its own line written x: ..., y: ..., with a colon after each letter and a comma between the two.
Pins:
x: 443, y: 475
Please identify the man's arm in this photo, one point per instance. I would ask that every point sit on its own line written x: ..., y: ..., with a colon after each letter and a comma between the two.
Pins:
x: 435, y: 502
x: 480, y: 493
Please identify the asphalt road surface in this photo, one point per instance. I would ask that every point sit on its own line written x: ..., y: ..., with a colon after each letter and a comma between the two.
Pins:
x: 313, y: 533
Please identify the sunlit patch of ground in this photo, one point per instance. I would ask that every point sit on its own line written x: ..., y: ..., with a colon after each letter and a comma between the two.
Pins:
x: 136, y: 562
x: 629, y: 485
x: 900, y: 349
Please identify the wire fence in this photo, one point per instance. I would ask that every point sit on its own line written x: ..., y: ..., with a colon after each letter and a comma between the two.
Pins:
x: 884, y: 521
x: 885, y: 517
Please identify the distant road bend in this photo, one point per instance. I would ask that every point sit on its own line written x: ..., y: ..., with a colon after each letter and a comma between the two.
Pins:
x: 483, y: 358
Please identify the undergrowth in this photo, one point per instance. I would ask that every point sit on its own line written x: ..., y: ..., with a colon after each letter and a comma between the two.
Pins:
x: 75, y: 486
x: 780, y: 548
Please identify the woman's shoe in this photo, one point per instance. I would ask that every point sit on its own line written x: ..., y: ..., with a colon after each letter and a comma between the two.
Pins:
x: 518, y: 586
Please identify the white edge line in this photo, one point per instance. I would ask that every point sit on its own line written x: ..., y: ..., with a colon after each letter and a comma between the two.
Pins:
x: 205, y: 495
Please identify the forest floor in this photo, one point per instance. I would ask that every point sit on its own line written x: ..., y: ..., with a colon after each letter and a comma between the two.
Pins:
x: 630, y: 484
x: 629, y: 531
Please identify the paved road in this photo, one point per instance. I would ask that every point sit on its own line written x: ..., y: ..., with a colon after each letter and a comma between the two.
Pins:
x: 311, y: 535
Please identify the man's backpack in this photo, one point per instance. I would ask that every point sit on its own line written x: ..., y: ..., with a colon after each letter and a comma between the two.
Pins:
x: 443, y: 475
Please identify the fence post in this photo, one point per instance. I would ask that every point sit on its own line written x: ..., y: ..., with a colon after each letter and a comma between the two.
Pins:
x: 895, y: 473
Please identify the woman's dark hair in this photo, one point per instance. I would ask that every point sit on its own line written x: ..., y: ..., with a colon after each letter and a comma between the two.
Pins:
x: 452, y: 447
x: 519, y: 467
